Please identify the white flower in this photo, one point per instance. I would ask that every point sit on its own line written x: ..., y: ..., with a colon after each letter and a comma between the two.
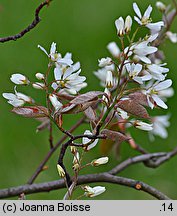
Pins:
x: 160, y: 123
x: 172, y: 36
x: 122, y: 113
x: 56, y: 57
x: 61, y: 171
x: 142, y: 49
x: 40, y: 76
x: 154, y: 93
x: 38, y: 85
x: 85, y: 141
x: 104, y: 62
x: 123, y: 28
x: 55, y: 102
x: 128, y: 24
x: 19, y: 79
x: 134, y: 70
x: 113, y: 49
x: 109, y: 79
x: 18, y: 99
x: 101, y: 74
x: 145, y: 20
x: 166, y: 93
x: 120, y: 26
x: 161, y: 6
x: 100, y: 161
x: 142, y: 125
x: 156, y: 71
x: 69, y: 79
x: 95, y: 191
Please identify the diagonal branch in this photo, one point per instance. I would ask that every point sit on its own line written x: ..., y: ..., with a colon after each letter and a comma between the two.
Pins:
x: 34, y: 23
x: 138, y: 159
x: 156, y: 162
x: 102, y: 177
x: 85, y: 179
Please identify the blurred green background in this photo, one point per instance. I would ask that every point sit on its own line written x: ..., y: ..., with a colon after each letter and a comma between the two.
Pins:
x: 84, y: 28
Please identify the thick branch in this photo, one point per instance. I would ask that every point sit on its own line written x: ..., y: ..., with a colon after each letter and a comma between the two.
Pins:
x: 34, y: 23
x: 102, y: 177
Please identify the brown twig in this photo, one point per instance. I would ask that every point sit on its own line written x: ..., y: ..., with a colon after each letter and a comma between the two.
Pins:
x: 141, y: 158
x: 156, y: 162
x: 69, y: 143
x: 34, y: 23
x: 50, y: 153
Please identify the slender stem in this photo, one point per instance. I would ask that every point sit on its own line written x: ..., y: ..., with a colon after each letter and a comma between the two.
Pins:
x: 31, y: 26
x: 50, y: 153
x: 134, y: 34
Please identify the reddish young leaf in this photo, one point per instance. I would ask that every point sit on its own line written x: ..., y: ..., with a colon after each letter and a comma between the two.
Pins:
x: 134, y: 108
x: 68, y: 108
x: 31, y: 111
x: 75, y: 108
x: 89, y: 96
x: 114, y: 135
x: 107, y: 145
x: 90, y: 113
x: 139, y: 98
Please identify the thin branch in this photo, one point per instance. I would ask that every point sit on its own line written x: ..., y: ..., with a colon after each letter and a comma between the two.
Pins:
x: 50, y: 153
x: 156, y: 162
x: 69, y: 143
x: 34, y: 23
x: 141, y: 158
x: 85, y: 179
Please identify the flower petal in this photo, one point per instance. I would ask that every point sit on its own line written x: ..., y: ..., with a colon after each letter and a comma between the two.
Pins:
x: 159, y: 101
x: 137, y: 10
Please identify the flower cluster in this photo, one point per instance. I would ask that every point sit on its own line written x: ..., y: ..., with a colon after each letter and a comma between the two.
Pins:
x: 139, y: 63
x: 66, y: 74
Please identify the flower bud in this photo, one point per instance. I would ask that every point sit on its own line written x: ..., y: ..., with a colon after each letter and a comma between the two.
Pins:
x: 73, y: 149
x: 95, y: 191
x: 38, y: 85
x: 76, y: 158
x: 100, y: 161
x: 113, y: 49
x: 40, y: 76
x: 128, y: 24
x: 122, y: 113
x: 24, y: 97
x: 105, y: 62
x: 56, y: 104
x: 76, y: 162
x: 109, y: 79
x: 142, y: 125
x: 19, y: 79
x: 61, y: 171
x: 161, y: 6
x: 120, y: 27
x: 172, y: 36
